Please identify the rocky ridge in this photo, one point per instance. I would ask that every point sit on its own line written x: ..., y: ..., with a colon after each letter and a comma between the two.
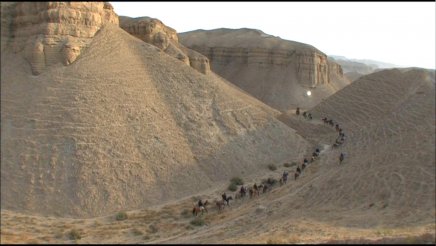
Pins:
x: 154, y: 32
x: 276, y: 71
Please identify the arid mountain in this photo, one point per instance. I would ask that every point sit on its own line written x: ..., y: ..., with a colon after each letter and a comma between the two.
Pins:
x: 384, y: 191
x: 276, y: 71
x: 50, y: 32
x: 356, y: 68
x: 388, y: 118
x: 117, y: 142
x: 154, y: 32
x: 124, y: 126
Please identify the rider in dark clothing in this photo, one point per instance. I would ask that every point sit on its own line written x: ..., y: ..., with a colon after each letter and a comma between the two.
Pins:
x: 224, y: 196
x: 200, y: 203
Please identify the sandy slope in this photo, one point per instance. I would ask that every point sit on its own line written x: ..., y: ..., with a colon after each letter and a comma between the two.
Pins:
x: 384, y: 189
x: 127, y: 126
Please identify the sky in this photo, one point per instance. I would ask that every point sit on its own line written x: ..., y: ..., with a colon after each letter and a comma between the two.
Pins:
x: 400, y: 33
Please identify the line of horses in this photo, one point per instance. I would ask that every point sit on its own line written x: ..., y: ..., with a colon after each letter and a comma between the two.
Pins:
x: 266, y: 185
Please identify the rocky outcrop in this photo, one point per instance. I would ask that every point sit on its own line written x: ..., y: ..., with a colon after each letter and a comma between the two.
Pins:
x: 278, y: 72
x: 154, y: 32
x: 127, y: 129
x: 51, y: 32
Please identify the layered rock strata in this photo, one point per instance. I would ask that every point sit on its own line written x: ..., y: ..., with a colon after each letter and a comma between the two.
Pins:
x: 154, y: 32
x: 276, y: 71
x: 50, y: 32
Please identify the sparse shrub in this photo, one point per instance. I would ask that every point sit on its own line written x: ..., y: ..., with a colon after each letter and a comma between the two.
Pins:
x: 290, y: 164
x: 137, y: 232
x: 237, y: 181
x: 74, y: 235
x: 152, y: 229
x: 197, y: 222
x: 272, y: 167
x: 274, y: 240
x: 59, y: 235
x: 121, y: 215
x: 146, y: 237
x: 232, y: 187
x: 269, y: 181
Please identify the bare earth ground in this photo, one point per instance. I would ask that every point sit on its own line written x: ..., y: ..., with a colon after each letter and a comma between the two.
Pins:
x: 384, y: 189
x: 280, y: 216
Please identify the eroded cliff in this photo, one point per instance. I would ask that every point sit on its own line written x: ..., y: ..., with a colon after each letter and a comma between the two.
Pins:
x: 50, y: 32
x: 278, y: 72
x: 154, y: 32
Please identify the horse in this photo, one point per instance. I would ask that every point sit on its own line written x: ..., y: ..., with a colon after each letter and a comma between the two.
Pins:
x: 201, y: 209
x: 285, y: 177
x: 296, y: 175
x: 220, y: 204
x: 253, y: 192
x: 266, y: 188
x: 243, y: 191
x: 227, y: 200
x: 238, y: 195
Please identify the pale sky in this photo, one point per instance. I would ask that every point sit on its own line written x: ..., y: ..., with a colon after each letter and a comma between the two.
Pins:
x: 401, y: 33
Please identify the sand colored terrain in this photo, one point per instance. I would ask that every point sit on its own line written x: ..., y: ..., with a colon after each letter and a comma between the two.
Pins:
x: 154, y: 32
x: 126, y: 126
x: 276, y: 71
x: 383, y: 192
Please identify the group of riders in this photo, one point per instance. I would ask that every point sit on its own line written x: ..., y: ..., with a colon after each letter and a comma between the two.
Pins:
x: 255, y: 189
x: 305, y: 114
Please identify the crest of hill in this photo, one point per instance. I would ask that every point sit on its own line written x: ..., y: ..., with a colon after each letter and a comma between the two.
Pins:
x: 243, y: 38
x: 154, y: 32
x: 388, y: 173
x: 126, y: 126
x: 278, y: 72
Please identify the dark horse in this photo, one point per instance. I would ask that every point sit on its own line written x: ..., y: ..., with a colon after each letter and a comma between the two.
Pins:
x: 296, y: 175
x: 253, y: 192
x: 220, y: 204
x: 197, y: 209
x: 227, y: 200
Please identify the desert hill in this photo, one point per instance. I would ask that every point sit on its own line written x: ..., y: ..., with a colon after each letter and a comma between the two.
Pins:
x: 276, y: 71
x: 389, y: 120
x: 382, y: 192
x: 103, y: 122
x: 154, y: 32
x: 124, y: 126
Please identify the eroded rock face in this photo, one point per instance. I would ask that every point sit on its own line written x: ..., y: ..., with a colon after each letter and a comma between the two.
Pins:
x: 276, y: 71
x: 154, y: 32
x: 52, y: 32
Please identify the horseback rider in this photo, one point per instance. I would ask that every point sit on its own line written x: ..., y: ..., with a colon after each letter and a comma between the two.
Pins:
x: 298, y: 170
x: 242, y: 191
x: 310, y: 116
x: 317, y: 151
x: 341, y: 158
x: 200, y: 203
x: 304, y: 114
x: 298, y: 111
x: 255, y: 186
x: 224, y: 196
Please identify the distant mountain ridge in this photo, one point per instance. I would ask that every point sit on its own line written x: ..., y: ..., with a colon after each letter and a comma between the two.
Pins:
x: 369, y: 62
